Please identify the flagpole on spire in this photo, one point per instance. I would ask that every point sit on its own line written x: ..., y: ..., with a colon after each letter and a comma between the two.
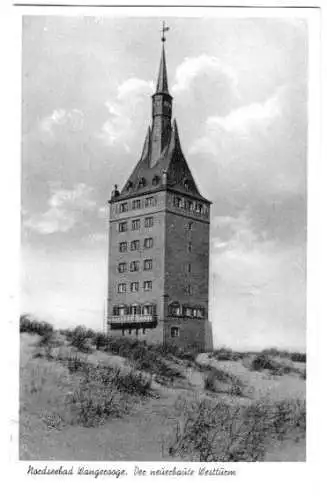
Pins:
x: 163, y: 31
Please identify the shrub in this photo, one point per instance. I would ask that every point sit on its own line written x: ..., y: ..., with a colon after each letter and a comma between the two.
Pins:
x: 217, y: 380
x: 299, y: 357
x: 28, y: 324
x: 143, y: 357
x: 226, y: 354
x: 80, y: 338
x: 220, y: 432
x: 104, y: 391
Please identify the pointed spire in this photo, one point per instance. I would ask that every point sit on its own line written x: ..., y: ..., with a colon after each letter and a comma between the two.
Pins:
x: 146, y: 145
x: 174, y: 141
x: 162, y: 83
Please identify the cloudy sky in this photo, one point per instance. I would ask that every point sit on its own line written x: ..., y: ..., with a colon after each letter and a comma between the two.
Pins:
x: 240, y: 97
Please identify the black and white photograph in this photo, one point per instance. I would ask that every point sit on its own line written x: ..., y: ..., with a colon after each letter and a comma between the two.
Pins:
x: 163, y: 254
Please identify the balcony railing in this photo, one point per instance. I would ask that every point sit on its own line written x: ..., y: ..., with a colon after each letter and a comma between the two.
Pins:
x: 132, y: 319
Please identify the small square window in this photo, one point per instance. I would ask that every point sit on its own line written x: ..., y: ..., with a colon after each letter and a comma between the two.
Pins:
x: 148, y: 243
x: 147, y: 285
x: 134, y: 266
x: 135, y: 286
x: 123, y: 246
x: 136, y: 204
x: 122, y: 267
x: 123, y: 207
x: 122, y: 288
x: 149, y: 202
x: 148, y: 222
x: 135, y: 245
x: 122, y: 227
x: 136, y: 224
x: 174, y: 331
x: 148, y: 265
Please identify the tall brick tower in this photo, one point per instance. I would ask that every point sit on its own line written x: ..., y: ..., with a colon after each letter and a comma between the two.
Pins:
x: 159, y: 240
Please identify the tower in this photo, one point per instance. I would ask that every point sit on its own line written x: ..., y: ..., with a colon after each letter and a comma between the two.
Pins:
x: 158, y: 282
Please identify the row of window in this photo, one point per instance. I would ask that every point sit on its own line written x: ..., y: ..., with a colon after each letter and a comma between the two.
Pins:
x: 174, y: 331
x: 134, y: 266
x: 135, y: 244
x: 142, y: 183
x: 134, y: 286
x: 134, y: 310
x: 136, y: 224
x: 191, y: 206
x: 179, y: 310
x: 150, y: 201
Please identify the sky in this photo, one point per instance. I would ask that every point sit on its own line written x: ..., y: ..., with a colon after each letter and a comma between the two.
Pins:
x: 240, y: 99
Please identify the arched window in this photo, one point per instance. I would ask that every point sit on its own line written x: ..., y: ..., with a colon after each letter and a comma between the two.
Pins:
x: 155, y: 180
x: 175, y: 309
x: 142, y: 182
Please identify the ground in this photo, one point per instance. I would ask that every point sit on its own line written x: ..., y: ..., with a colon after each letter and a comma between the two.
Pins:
x: 145, y: 431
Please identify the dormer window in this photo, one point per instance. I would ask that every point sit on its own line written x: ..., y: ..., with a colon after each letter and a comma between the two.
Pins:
x: 155, y: 180
x: 129, y: 185
x: 142, y: 182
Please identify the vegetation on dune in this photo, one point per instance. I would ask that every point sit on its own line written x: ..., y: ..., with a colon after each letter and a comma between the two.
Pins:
x: 264, y: 361
x: 209, y: 431
x: 217, y: 381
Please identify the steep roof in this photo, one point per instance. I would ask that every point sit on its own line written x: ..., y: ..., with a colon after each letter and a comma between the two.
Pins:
x: 167, y: 167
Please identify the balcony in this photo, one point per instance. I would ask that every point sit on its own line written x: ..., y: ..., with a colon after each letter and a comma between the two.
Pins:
x: 132, y: 319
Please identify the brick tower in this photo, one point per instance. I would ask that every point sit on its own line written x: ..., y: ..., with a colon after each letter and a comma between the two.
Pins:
x: 159, y: 240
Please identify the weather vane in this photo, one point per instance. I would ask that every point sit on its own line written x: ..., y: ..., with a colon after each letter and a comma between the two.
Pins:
x: 163, y: 31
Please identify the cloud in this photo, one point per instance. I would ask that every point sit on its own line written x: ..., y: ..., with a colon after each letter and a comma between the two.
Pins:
x: 65, y: 208
x: 73, y: 119
x: 258, y: 288
x: 246, y: 122
x: 203, y: 65
x: 242, y: 120
x: 125, y: 111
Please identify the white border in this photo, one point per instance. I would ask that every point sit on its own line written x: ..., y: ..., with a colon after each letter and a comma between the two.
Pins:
x: 253, y: 480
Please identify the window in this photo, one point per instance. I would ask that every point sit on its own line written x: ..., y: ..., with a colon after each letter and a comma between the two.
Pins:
x: 148, y: 222
x: 175, y: 309
x: 135, y: 224
x: 149, y: 202
x: 190, y: 205
x: 122, y: 227
x: 122, y: 267
x: 189, y: 246
x: 147, y: 285
x: 148, y: 265
x: 135, y: 310
x: 148, y: 310
x: 123, y: 246
x: 174, y: 332
x: 178, y: 202
x: 134, y: 266
x: 122, y: 310
x: 148, y: 243
x: 122, y: 288
x: 136, y: 204
x: 135, y: 286
x: 189, y: 226
x: 123, y: 207
x: 200, y: 312
x: 188, y: 268
x: 188, y: 290
x: 135, y: 245
x: 189, y: 312
x: 155, y: 180
x: 129, y: 185
x: 142, y: 182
